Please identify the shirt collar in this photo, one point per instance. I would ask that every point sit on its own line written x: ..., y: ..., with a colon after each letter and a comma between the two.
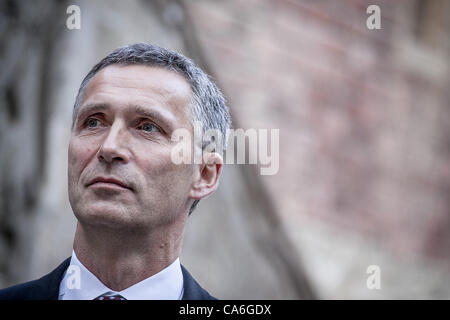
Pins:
x: 164, y: 285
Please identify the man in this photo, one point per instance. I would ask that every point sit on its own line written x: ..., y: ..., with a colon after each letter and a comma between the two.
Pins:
x: 130, y: 198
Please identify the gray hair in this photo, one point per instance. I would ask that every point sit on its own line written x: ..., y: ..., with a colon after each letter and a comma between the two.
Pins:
x: 207, y: 105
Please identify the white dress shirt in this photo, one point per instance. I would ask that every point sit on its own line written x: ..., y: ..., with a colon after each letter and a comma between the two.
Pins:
x: 79, y: 283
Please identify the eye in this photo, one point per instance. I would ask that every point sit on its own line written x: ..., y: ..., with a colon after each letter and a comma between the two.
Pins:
x: 92, y: 123
x: 148, y: 127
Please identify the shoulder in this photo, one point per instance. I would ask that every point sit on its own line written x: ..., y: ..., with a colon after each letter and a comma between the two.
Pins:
x: 45, y: 288
x: 192, y: 290
x: 24, y: 291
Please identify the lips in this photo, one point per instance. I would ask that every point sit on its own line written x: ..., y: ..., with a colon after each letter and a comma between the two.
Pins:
x: 110, y: 181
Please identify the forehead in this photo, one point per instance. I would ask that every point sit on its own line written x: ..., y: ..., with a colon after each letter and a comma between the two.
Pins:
x: 146, y: 86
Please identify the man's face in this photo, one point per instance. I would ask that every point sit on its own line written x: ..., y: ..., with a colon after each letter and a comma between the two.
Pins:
x: 120, y: 170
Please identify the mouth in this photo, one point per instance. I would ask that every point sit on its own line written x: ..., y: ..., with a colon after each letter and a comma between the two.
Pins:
x: 108, y: 183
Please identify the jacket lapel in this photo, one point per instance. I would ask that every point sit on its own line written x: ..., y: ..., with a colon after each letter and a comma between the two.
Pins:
x: 50, y: 283
x: 192, y: 290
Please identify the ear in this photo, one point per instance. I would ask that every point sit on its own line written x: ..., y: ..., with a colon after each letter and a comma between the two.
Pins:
x: 207, y: 177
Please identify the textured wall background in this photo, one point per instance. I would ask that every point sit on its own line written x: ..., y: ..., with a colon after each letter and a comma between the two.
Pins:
x: 364, y: 140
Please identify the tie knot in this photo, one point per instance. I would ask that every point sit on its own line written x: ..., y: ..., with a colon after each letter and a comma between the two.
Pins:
x: 110, y: 296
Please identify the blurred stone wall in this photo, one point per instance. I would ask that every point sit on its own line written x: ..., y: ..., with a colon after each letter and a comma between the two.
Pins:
x: 27, y: 36
x: 364, y: 132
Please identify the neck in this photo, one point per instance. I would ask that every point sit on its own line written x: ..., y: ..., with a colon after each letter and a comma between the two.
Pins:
x: 120, y: 260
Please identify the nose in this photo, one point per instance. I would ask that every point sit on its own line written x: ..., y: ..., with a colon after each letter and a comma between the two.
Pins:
x: 115, y: 146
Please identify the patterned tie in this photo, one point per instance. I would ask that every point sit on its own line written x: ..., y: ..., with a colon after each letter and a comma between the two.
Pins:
x: 110, y: 296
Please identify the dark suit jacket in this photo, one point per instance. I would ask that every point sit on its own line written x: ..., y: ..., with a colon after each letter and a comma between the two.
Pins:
x: 47, y: 287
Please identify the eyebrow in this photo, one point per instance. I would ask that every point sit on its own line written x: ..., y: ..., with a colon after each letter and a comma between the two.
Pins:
x: 164, y: 116
x: 91, y: 108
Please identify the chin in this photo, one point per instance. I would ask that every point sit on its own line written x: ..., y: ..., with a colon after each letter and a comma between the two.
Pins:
x: 111, y: 215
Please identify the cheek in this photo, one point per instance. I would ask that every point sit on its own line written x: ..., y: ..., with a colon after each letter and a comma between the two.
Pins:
x: 179, y: 180
x: 166, y: 176
x: 78, y: 155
